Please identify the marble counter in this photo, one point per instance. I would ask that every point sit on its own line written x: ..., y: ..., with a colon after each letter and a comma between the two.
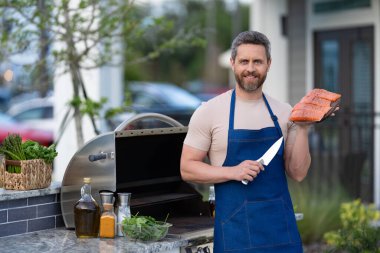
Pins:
x: 63, y: 240
x: 55, y: 187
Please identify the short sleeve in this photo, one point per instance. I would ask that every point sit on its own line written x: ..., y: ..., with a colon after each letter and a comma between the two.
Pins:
x: 199, y: 129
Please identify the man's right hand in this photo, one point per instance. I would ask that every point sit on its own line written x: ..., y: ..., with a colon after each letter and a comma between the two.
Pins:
x: 247, y: 170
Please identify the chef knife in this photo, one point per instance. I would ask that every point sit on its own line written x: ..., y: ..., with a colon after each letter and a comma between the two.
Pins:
x: 268, y: 156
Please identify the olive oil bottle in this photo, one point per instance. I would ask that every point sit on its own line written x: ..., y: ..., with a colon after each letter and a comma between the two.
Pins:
x: 86, y: 213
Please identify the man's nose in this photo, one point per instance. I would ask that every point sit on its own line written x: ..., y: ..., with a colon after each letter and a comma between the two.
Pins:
x: 251, y: 67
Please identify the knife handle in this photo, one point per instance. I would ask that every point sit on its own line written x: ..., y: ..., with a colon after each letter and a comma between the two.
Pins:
x: 245, y: 181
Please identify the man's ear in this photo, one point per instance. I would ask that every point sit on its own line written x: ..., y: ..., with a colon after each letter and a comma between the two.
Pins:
x: 232, y: 63
x: 269, y: 63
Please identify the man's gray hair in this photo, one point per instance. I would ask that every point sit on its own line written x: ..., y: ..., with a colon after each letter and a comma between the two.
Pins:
x: 250, y: 37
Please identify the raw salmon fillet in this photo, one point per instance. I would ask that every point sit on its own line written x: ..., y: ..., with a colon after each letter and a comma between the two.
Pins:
x: 326, y: 94
x: 314, y: 106
x: 318, y: 101
x: 311, y: 107
x: 306, y: 115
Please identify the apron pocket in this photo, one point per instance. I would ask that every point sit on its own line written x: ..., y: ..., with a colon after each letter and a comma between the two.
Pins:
x: 267, y: 223
x: 235, y: 230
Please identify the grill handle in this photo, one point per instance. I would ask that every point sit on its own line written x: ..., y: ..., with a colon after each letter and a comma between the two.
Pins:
x: 101, y: 156
x: 152, y: 115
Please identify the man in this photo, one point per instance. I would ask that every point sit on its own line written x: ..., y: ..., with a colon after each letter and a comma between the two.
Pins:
x: 234, y: 129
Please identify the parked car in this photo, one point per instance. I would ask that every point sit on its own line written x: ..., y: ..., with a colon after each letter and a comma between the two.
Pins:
x: 205, y: 91
x: 163, y: 98
x: 36, y: 113
x: 9, y: 125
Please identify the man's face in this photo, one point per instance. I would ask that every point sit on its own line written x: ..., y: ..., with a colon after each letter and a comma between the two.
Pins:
x: 250, y: 66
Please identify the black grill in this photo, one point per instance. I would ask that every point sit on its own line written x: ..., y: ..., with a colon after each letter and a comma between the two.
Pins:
x: 148, y: 166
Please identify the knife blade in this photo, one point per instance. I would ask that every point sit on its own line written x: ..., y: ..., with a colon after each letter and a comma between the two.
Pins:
x: 268, y: 155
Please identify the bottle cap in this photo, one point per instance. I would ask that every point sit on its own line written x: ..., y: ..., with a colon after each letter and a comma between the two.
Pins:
x: 123, y: 198
x: 106, y: 197
x: 87, y: 180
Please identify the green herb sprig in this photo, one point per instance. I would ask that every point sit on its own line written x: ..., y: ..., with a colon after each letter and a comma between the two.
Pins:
x: 145, y: 228
x: 34, y: 150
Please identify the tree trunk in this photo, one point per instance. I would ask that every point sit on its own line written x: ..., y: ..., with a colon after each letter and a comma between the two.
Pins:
x: 42, y: 82
x: 74, y: 71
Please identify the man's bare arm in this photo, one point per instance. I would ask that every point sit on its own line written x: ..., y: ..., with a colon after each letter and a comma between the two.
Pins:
x: 194, y: 169
x: 297, y: 155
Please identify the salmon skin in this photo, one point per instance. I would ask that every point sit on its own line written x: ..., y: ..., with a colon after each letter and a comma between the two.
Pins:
x: 315, y: 106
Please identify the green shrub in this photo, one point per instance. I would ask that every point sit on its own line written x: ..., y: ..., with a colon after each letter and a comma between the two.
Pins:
x: 356, y: 235
x: 320, y: 207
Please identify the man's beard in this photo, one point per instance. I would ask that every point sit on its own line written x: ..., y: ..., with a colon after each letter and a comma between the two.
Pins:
x: 250, y: 86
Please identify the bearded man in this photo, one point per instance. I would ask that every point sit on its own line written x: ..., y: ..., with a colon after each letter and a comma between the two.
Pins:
x: 234, y: 130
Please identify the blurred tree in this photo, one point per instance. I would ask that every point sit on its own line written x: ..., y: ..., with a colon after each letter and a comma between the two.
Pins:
x: 84, y: 32
x: 42, y: 74
x: 220, y: 22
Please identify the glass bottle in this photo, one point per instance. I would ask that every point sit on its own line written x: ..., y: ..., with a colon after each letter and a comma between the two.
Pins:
x: 86, y: 213
x: 211, y: 200
x: 107, y: 222
x: 123, y: 209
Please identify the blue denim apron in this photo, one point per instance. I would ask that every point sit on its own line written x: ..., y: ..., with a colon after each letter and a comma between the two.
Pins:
x: 257, y: 217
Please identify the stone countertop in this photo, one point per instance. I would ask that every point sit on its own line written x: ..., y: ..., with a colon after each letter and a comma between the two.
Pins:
x: 63, y: 240
x: 55, y: 187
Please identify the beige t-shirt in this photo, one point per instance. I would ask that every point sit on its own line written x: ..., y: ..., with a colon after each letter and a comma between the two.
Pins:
x: 208, y: 127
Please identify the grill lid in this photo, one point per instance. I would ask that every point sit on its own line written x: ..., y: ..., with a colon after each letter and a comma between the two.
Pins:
x: 149, y: 156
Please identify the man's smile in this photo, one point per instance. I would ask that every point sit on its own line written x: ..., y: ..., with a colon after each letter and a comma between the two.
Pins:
x: 251, y: 77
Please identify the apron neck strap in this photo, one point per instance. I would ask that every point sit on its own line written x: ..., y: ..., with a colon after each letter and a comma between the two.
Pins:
x: 232, y: 110
x: 232, y: 113
x: 274, y: 117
